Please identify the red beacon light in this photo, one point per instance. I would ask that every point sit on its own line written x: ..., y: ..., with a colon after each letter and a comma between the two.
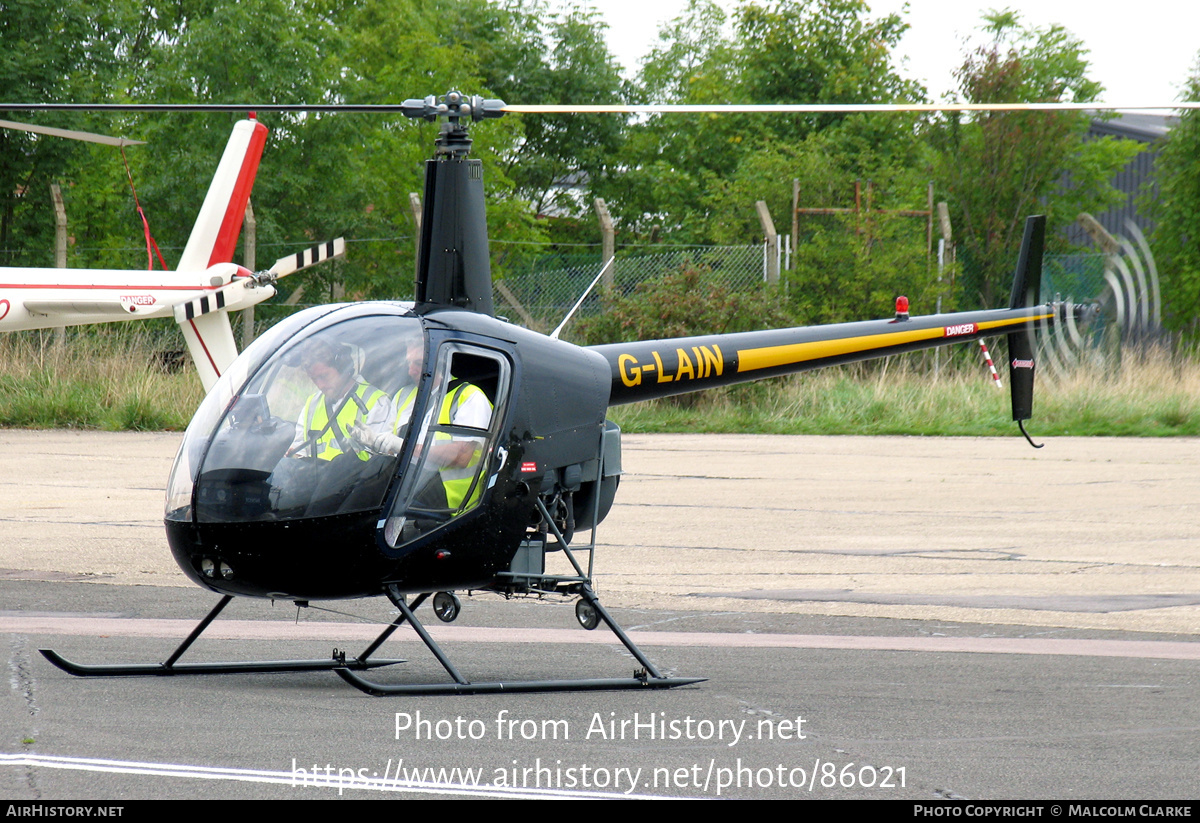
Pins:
x: 901, y: 308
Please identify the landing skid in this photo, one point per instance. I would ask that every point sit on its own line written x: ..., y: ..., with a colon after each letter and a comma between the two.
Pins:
x: 648, y: 677
x: 170, y: 667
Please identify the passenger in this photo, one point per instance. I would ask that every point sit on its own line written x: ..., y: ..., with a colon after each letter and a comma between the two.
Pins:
x: 391, y: 440
x: 455, y: 456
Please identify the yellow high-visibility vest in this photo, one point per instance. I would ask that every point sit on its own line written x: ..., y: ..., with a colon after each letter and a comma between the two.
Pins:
x: 333, y: 436
x: 457, y: 480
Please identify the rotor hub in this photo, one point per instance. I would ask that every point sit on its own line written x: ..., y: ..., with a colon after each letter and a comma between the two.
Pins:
x: 456, y: 110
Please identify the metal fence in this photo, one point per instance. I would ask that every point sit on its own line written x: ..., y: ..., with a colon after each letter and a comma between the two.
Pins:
x: 1075, y: 277
x: 541, y: 293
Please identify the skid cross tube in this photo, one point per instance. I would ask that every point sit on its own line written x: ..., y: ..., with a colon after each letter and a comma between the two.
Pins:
x: 170, y: 667
x: 646, y: 678
x: 407, y: 613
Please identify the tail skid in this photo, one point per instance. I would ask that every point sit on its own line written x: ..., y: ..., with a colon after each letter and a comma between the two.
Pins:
x: 209, y: 339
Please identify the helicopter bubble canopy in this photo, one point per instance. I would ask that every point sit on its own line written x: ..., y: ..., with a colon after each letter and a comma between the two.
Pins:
x: 305, y: 423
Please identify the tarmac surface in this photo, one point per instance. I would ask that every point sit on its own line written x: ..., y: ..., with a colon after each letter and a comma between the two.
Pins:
x: 916, y: 618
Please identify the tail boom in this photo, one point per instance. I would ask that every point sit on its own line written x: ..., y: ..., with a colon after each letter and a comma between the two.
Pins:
x: 661, y: 368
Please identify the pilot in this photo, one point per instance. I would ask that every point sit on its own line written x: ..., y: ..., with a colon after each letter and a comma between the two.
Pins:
x: 344, y: 402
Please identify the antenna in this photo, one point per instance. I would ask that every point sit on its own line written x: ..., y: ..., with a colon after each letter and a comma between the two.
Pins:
x: 582, y: 297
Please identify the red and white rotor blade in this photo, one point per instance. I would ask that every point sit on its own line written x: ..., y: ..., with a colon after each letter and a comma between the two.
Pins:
x: 244, y: 290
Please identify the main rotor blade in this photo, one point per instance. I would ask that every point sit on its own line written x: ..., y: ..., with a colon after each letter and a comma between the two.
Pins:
x: 85, y: 136
x: 835, y: 108
x: 680, y: 108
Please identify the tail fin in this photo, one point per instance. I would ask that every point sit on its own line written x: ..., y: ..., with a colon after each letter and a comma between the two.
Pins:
x: 215, y: 234
x: 1026, y: 291
x: 209, y: 337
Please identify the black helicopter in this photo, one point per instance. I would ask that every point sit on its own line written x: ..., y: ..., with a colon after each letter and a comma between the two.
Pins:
x: 418, y: 449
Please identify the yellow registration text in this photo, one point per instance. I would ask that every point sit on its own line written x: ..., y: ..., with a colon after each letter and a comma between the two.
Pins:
x: 693, y: 363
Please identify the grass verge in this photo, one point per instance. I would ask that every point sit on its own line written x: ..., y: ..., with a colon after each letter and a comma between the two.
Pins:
x: 110, y: 379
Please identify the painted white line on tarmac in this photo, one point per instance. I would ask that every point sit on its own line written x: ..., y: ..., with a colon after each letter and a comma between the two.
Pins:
x: 287, y: 630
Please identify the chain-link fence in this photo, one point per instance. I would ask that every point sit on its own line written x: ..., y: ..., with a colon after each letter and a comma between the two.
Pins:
x: 540, y: 294
x: 1075, y: 277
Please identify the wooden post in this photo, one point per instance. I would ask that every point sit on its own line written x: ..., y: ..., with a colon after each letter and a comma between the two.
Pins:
x: 414, y: 203
x: 60, y: 227
x: 943, y: 213
x: 1109, y: 246
x: 1107, y: 243
x: 795, y: 219
x: 870, y: 223
x: 929, y: 220
x: 60, y: 247
x: 772, y: 237
x: 947, y: 243
x: 250, y: 253
x: 858, y: 207
x: 945, y: 255
x: 514, y: 301
x: 608, y: 242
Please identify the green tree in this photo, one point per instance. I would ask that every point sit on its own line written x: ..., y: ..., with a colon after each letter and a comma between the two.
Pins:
x: 70, y: 55
x: 821, y: 51
x: 788, y: 51
x: 1176, y: 240
x: 1000, y: 167
x: 322, y: 175
x: 538, y: 54
x: 402, y: 49
x: 669, y: 160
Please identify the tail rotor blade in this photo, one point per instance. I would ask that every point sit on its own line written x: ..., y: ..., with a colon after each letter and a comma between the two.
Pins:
x: 309, y: 257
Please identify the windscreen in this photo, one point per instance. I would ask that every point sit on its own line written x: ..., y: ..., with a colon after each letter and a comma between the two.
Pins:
x: 313, y: 430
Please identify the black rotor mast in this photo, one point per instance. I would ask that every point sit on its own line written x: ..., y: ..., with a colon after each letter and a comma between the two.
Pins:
x: 453, y: 266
